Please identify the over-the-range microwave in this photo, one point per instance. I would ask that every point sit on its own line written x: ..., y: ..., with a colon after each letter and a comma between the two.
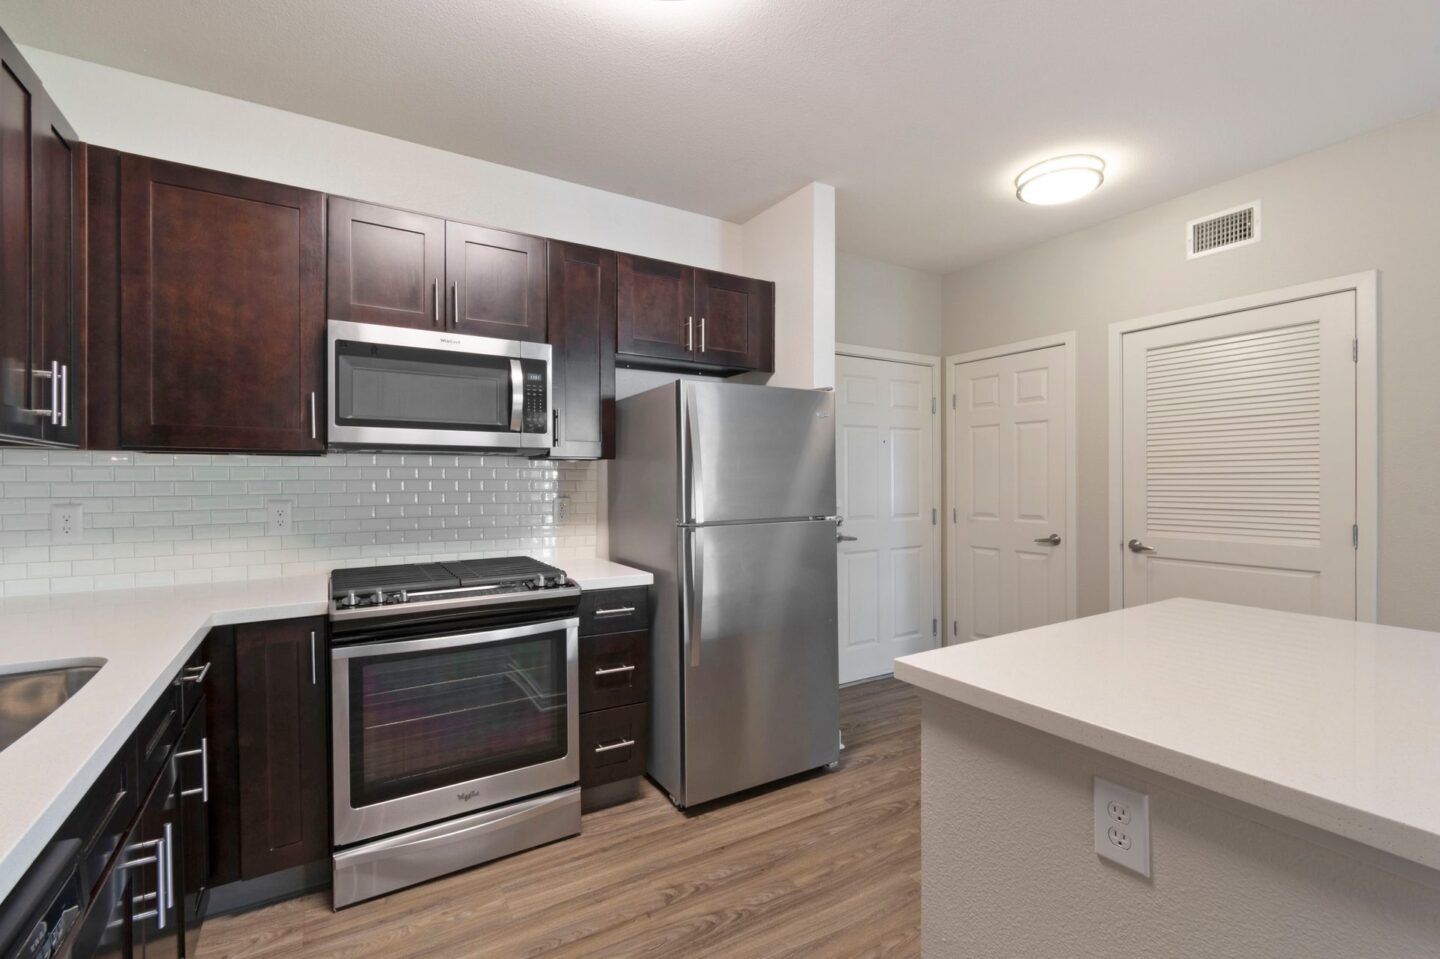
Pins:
x: 392, y: 388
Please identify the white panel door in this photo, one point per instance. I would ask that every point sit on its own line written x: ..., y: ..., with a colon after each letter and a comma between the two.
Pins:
x: 1239, y: 458
x: 889, y: 573
x: 1012, y: 473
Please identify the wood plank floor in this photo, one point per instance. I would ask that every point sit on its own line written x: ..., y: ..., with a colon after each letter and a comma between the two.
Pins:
x: 825, y: 865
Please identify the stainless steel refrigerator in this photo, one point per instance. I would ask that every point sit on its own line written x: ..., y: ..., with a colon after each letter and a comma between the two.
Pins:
x: 726, y: 492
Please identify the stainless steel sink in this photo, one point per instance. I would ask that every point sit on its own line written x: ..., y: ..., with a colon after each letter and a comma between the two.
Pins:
x: 28, y: 696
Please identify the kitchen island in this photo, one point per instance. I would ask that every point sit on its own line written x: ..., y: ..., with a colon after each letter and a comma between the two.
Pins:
x: 1292, y: 765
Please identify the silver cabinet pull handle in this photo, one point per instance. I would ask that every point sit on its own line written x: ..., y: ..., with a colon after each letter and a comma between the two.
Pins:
x: 690, y: 334
x: 613, y: 670
x: 195, y: 674
x: 702, y: 334
x: 63, y: 395
x: 203, y: 790
x: 314, y: 675
x: 53, y: 410
x: 455, y: 303
x: 617, y: 745
x: 1136, y: 546
x: 314, y: 424
x: 1052, y: 540
x: 615, y: 611
x: 435, y: 301
x: 169, y: 873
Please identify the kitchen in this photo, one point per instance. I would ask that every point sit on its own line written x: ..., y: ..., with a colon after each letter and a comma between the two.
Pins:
x: 250, y: 424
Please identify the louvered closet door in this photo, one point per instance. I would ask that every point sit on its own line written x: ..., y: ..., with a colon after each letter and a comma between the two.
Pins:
x: 1239, y: 458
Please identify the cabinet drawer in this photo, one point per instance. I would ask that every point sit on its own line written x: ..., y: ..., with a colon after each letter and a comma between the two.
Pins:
x: 614, y: 670
x: 615, y: 610
x: 612, y: 744
x: 157, y: 734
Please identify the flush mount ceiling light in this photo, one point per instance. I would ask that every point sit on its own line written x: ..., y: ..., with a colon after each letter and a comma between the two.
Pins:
x: 1060, y: 180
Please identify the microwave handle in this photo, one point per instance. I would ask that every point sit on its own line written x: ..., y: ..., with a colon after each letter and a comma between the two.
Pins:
x: 517, y: 396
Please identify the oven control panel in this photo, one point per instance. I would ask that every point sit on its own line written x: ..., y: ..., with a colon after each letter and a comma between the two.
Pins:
x: 537, y: 402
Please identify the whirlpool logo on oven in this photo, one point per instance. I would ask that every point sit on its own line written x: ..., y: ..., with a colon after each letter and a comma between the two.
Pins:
x: 467, y: 795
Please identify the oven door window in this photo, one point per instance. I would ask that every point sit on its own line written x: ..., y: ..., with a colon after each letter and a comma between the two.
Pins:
x: 424, y: 720
x: 407, y: 387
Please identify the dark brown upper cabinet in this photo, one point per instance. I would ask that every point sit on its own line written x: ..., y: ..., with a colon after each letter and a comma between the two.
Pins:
x: 735, y: 321
x: 497, y: 282
x: 222, y: 311
x: 385, y: 266
x: 281, y: 721
x: 582, y: 340
x: 679, y: 317
x: 656, y: 317
x: 41, y: 183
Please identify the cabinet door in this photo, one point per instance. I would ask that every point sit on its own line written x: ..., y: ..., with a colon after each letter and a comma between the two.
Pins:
x: 59, y: 167
x: 280, y: 697
x: 582, y: 338
x: 497, y: 282
x: 656, y: 308
x: 222, y: 311
x: 192, y: 857
x: 20, y: 391
x: 735, y: 319
x: 385, y: 266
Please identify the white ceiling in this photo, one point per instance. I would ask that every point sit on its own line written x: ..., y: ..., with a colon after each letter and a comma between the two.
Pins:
x: 920, y: 112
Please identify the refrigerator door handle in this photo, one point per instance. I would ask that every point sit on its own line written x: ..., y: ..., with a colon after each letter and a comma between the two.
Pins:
x: 695, y: 592
x: 693, y: 489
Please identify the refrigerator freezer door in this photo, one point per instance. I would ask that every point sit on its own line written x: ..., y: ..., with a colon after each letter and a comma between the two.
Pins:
x: 761, y: 681
x: 756, y: 452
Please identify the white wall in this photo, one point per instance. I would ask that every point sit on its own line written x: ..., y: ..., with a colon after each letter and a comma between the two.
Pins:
x: 140, y: 114
x: 1229, y: 880
x: 887, y: 306
x: 1368, y: 203
x: 793, y: 244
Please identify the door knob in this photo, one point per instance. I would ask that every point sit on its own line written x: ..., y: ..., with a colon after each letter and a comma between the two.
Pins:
x: 1052, y: 540
x: 842, y: 538
x: 1138, y: 547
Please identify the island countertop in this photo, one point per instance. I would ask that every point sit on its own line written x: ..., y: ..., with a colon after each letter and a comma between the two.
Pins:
x: 1330, y: 722
x: 143, y: 636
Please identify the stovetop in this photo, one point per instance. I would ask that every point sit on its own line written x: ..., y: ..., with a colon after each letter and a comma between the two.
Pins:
x: 418, y: 584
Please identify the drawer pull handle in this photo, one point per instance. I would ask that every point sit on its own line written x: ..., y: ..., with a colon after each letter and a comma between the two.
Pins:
x: 622, y: 744
x: 611, y: 671
x: 615, y: 611
x: 195, y: 674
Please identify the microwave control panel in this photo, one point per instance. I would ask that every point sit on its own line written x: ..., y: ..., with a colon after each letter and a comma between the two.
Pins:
x: 537, y: 403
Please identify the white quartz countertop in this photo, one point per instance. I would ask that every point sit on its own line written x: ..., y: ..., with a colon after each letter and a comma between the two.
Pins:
x: 143, y: 636
x: 1329, y: 722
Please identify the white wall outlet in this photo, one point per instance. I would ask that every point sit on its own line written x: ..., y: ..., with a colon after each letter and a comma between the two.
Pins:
x: 562, y: 510
x: 67, y: 523
x: 1122, y: 825
x: 279, y: 516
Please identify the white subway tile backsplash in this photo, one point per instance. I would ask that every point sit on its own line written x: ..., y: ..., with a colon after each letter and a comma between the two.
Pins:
x: 163, y: 519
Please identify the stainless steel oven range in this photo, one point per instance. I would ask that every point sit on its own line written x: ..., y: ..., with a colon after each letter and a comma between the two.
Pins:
x: 455, y: 718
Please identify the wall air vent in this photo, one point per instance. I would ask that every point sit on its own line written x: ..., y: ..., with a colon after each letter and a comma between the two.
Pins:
x: 1238, y: 226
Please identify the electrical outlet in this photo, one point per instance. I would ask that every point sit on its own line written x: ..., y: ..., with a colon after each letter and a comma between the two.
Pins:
x: 1122, y: 825
x: 279, y: 516
x: 562, y: 510
x: 67, y: 523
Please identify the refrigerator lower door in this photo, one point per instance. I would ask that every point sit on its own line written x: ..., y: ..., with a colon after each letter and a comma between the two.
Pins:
x: 760, y: 657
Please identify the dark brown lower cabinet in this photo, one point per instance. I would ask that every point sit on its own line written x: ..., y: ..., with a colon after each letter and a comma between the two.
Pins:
x: 281, y: 739
x: 192, y: 856
x: 614, y: 684
x: 158, y: 840
x: 612, y: 744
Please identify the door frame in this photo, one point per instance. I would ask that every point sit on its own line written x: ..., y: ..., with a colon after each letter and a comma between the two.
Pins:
x: 1365, y: 286
x: 1067, y: 341
x: 937, y: 471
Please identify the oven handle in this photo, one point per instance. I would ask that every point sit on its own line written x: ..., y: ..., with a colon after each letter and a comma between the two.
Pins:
x: 387, y: 647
